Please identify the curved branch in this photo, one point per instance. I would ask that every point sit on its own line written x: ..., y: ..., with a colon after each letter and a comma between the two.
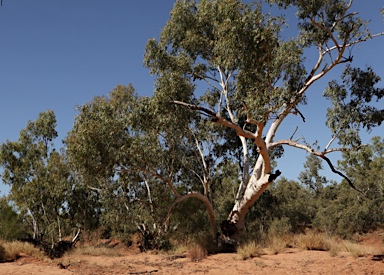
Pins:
x: 354, y: 42
x: 342, y: 175
x: 321, y: 155
x: 202, y: 198
x: 308, y: 148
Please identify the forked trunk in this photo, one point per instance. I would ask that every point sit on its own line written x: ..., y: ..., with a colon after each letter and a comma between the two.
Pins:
x: 234, y: 227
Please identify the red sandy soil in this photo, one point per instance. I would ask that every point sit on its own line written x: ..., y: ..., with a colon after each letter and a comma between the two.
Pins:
x: 290, y: 262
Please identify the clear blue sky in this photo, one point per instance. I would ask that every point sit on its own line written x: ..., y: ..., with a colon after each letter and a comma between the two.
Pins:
x: 59, y: 54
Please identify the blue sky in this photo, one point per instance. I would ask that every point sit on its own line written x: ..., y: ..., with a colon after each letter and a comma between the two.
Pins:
x: 59, y: 54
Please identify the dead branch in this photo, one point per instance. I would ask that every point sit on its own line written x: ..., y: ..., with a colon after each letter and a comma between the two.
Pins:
x: 194, y: 107
x: 296, y: 111
x: 342, y: 175
x: 294, y: 132
x: 220, y: 120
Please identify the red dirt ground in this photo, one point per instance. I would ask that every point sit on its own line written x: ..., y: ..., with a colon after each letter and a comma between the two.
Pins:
x: 290, y: 262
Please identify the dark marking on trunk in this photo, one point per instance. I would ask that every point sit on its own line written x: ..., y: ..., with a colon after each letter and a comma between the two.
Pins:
x: 272, y: 177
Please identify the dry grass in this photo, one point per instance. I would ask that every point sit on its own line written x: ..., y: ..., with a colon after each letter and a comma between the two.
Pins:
x: 178, y: 249
x: 196, y: 253
x: 95, y: 251
x: 10, y: 251
x: 249, y: 250
x: 357, y: 250
x: 275, y: 244
x: 313, y: 241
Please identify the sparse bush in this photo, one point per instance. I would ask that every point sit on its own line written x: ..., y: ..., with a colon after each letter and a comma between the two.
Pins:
x: 277, y: 244
x: 313, y: 241
x: 196, y: 253
x: 248, y: 250
x: 2, y: 254
x: 357, y: 250
x: 10, y: 251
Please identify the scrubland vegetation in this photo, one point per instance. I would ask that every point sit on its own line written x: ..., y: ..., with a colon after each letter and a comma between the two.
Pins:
x: 196, y: 166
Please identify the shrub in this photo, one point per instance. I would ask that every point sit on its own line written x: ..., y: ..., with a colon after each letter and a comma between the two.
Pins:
x: 313, y: 241
x: 357, y: 250
x: 196, y: 253
x: 10, y: 251
x: 248, y: 250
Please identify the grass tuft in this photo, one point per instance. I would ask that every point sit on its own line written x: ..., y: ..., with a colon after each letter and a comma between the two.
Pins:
x: 95, y: 251
x: 313, y: 241
x: 196, y: 253
x: 357, y: 250
x: 11, y: 251
x: 248, y: 250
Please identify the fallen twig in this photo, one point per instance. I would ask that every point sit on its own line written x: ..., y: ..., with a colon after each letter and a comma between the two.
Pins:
x: 144, y: 272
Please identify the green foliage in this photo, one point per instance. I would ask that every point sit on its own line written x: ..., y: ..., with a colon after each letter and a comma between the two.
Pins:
x: 310, y: 177
x: 11, y: 225
x: 280, y: 227
x: 128, y: 158
x: 38, y: 176
x: 234, y: 37
x: 350, y: 110
x: 189, y: 222
x: 344, y: 211
x: 294, y: 202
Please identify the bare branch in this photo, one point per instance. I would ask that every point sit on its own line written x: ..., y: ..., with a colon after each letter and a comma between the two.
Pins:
x: 94, y: 188
x: 218, y: 119
x: 296, y: 111
x: 355, y: 42
x: 319, y: 154
x: 224, y: 83
x: 330, y: 142
x: 342, y: 175
x: 194, y: 107
x: 294, y: 132
x: 308, y: 148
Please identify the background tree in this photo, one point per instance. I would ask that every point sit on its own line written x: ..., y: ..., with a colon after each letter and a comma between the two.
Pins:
x: 39, y: 178
x: 227, y: 61
x: 311, y: 177
x: 127, y: 149
x: 11, y: 223
x: 346, y: 212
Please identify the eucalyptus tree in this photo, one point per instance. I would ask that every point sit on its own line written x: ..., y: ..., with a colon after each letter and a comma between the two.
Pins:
x: 311, y: 177
x: 121, y: 152
x: 366, y: 167
x: 228, y: 62
x: 132, y: 153
x: 11, y: 224
x: 38, y: 177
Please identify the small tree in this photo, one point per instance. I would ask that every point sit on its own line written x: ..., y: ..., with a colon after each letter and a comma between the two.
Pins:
x: 310, y: 177
x: 227, y: 61
x: 11, y: 224
x: 38, y: 177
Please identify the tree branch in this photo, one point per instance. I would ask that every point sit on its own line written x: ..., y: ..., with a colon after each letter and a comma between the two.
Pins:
x: 354, y: 42
x: 342, y: 175
x: 217, y: 119
x: 319, y: 154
